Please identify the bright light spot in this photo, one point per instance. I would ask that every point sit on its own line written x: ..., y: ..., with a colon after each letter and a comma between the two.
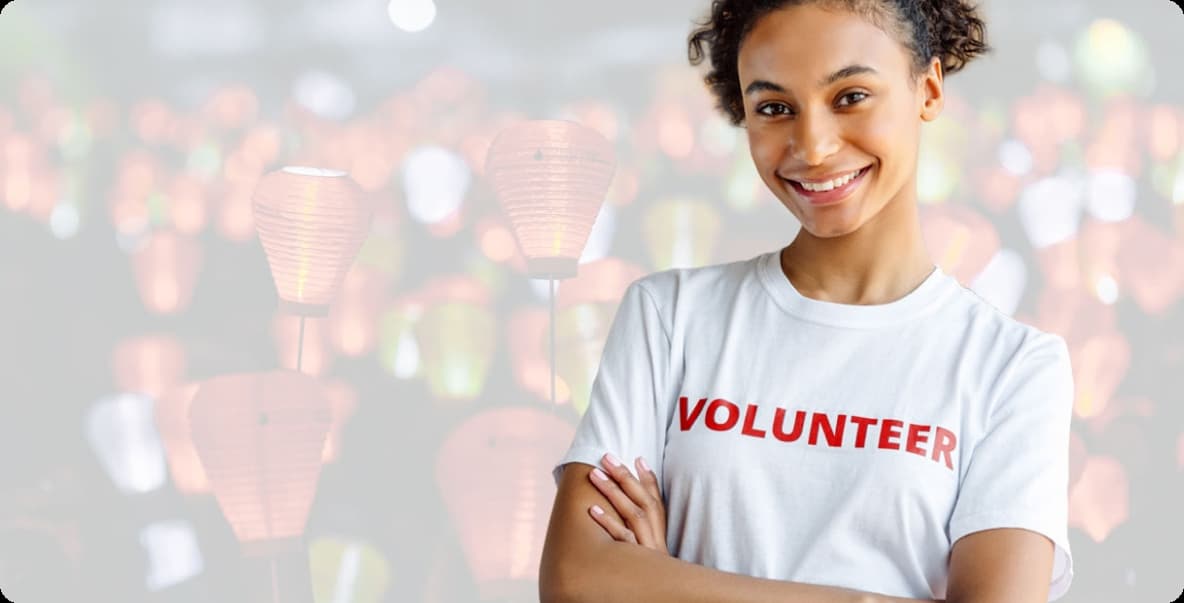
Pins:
x: 1050, y: 210
x: 435, y: 181
x: 1111, y: 195
x: 1002, y: 281
x: 600, y: 239
x: 123, y: 434
x: 406, y: 363
x: 173, y: 555
x: 1015, y: 157
x: 324, y: 94
x: 1106, y: 289
x: 64, y: 220
x: 718, y: 137
x: 412, y: 15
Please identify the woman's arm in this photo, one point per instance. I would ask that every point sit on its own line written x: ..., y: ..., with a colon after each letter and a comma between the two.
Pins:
x: 582, y: 564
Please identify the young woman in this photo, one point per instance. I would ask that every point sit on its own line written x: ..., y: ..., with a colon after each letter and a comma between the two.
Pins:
x: 838, y: 419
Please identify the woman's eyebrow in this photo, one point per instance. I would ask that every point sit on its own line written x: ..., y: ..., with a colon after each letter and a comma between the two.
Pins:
x: 845, y: 72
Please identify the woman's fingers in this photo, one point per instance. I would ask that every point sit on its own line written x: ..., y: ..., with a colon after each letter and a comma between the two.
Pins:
x: 648, y: 479
x: 638, y: 508
x: 612, y: 526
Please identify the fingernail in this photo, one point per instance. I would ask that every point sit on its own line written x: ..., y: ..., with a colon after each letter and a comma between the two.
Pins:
x: 599, y: 474
x: 612, y: 459
x: 597, y: 510
x: 641, y: 459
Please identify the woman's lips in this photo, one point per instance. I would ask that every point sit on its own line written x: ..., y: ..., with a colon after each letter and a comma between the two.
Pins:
x: 831, y: 196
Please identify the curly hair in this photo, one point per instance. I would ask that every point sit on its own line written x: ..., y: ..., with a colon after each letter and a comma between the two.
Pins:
x: 950, y: 29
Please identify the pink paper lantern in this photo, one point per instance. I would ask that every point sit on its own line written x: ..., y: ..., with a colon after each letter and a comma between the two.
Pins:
x: 551, y: 177
x: 312, y: 222
x: 260, y: 437
x: 493, y: 472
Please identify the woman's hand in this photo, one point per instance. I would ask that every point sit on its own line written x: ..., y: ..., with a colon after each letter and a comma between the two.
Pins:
x: 639, y: 503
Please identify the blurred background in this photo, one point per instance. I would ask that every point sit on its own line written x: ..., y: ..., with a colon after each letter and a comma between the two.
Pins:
x: 133, y: 135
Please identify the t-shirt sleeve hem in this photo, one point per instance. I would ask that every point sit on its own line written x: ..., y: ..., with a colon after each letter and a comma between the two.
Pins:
x: 587, y: 455
x: 1062, y: 573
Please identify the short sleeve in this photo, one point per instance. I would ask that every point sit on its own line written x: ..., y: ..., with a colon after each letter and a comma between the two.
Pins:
x: 1018, y: 474
x: 627, y: 407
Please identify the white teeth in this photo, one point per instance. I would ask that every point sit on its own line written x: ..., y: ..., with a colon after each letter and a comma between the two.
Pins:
x: 826, y: 186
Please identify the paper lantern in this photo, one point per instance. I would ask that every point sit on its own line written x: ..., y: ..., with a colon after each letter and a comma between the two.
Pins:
x: 120, y: 430
x: 311, y: 223
x: 551, y: 177
x: 347, y: 571
x: 1100, y: 365
x: 493, y: 472
x: 260, y: 437
x: 399, y: 351
x: 166, y: 271
x: 172, y: 422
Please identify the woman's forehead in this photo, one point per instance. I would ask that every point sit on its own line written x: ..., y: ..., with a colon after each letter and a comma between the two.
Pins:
x: 807, y: 44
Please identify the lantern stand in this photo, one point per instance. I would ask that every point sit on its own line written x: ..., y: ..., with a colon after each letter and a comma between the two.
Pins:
x: 552, y: 269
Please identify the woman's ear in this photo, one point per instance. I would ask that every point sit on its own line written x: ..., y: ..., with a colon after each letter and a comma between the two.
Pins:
x: 932, y: 91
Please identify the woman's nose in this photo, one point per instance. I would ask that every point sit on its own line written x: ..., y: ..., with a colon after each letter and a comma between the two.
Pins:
x: 813, y: 139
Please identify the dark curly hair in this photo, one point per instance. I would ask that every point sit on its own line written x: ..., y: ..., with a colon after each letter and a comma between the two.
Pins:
x: 950, y: 29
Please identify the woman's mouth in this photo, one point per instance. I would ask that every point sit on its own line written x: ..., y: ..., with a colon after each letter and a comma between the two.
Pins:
x: 833, y: 195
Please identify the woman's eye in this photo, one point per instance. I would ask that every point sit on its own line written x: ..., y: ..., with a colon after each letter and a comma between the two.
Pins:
x: 862, y: 96
x: 762, y: 108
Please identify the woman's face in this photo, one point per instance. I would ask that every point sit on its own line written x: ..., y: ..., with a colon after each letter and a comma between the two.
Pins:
x: 827, y: 94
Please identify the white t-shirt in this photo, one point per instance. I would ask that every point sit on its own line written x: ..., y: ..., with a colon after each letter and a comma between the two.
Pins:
x: 837, y: 444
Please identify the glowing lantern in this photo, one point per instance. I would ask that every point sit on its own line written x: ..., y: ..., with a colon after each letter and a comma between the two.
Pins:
x: 121, y: 432
x: 551, y: 177
x: 1099, y: 501
x: 347, y: 571
x: 172, y: 422
x: 681, y: 233
x: 311, y: 223
x: 493, y: 472
x: 456, y: 336
x: 166, y: 271
x: 151, y: 364
x: 587, y: 306
x: 260, y: 437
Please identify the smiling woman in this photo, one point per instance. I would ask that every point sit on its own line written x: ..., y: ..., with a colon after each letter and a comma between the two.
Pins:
x: 839, y: 419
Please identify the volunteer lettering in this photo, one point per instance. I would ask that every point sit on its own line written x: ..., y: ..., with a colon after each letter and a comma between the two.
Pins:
x: 821, y: 428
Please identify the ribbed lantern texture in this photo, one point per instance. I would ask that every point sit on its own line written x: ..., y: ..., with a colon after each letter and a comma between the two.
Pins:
x: 311, y: 222
x: 260, y: 438
x: 551, y: 177
x: 494, y: 475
